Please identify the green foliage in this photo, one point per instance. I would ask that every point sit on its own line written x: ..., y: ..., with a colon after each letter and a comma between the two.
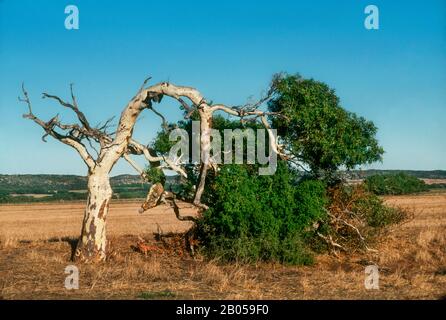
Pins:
x: 65, y: 195
x: 437, y: 186
x: 4, y: 197
x: 161, y: 144
x: 310, y: 201
x: 376, y: 213
x: 155, y: 175
x: 254, y: 218
x: 150, y: 295
x: 399, y: 183
x: 317, y: 130
x: 139, y: 194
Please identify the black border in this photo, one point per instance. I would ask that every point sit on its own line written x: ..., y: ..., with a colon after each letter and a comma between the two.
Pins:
x: 277, y: 309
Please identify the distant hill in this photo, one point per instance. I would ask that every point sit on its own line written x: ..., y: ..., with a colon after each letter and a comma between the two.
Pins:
x: 49, y: 183
x: 20, y: 188
x: 54, y: 187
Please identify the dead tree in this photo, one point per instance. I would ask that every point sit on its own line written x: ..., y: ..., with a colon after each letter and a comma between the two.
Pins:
x: 92, y: 245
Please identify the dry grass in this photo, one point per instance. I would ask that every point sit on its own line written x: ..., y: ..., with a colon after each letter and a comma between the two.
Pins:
x: 36, y: 242
x: 41, y: 221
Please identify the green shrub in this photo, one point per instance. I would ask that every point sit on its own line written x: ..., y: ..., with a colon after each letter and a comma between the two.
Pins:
x: 4, y: 197
x: 310, y: 200
x: 394, y: 184
x: 155, y: 175
x: 376, y: 213
x: 253, y: 218
x: 130, y: 195
x: 354, y: 209
x: 150, y: 295
x: 66, y: 195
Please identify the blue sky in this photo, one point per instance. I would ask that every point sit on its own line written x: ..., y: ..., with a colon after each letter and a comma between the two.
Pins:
x: 394, y: 76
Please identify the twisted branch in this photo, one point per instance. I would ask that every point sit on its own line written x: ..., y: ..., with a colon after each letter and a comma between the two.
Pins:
x: 73, y: 139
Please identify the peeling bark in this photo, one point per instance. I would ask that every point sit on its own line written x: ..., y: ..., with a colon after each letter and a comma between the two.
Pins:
x: 153, y: 197
x: 92, y: 245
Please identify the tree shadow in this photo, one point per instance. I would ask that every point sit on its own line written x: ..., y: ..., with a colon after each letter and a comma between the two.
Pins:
x: 71, y: 241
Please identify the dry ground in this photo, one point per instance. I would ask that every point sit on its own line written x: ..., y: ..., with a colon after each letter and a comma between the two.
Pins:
x: 36, y: 243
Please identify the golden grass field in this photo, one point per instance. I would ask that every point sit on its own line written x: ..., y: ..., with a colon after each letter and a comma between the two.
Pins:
x: 36, y: 242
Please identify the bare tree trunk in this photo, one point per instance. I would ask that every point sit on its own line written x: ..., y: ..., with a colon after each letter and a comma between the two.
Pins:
x: 205, y: 145
x: 92, y: 245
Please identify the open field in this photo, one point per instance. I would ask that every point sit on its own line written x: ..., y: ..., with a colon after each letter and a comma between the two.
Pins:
x: 42, y: 221
x: 434, y: 181
x: 36, y: 242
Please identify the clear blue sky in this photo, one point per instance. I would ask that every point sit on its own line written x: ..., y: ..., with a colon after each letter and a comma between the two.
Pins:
x: 394, y: 76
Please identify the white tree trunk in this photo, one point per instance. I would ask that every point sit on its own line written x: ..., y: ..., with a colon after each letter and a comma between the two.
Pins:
x: 92, y: 245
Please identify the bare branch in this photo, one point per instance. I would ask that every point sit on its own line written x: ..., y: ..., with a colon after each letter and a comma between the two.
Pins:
x: 329, y: 240
x: 138, y: 147
x: 188, y: 108
x: 294, y: 161
x: 184, y: 104
x: 100, y: 134
x: 352, y: 227
x: 72, y: 106
x: 257, y: 114
x: 169, y: 197
x: 144, y: 84
x: 92, y: 146
x: 49, y: 128
x: 73, y: 97
x: 163, y: 119
x: 135, y: 166
x: 107, y: 124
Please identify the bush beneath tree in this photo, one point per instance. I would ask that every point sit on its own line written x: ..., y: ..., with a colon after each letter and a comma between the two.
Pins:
x: 273, y: 218
x: 256, y: 218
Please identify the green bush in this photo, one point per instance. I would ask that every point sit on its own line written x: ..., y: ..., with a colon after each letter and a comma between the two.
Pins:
x: 155, y: 175
x: 311, y: 200
x: 376, y: 213
x: 130, y: 195
x: 357, y: 210
x: 259, y: 218
x: 394, y: 184
x: 66, y: 195
x: 4, y: 197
